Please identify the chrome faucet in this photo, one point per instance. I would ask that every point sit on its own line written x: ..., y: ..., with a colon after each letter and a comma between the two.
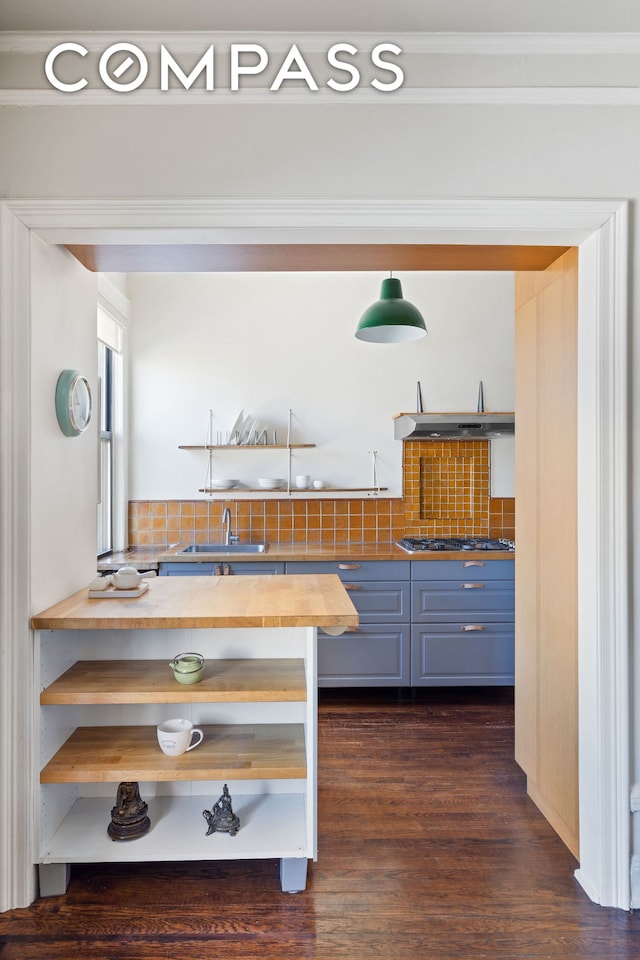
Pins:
x: 228, y: 536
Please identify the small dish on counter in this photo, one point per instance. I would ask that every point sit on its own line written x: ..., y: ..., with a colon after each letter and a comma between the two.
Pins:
x: 101, y: 583
x: 110, y: 591
x: 270, y: 483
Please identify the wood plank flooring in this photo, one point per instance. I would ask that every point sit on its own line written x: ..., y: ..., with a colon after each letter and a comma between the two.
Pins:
x: 429, y: 850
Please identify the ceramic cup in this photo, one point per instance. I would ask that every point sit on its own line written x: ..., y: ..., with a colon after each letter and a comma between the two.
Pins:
x: 302, y: 481
x: 175, y: 736
x: 319, y: 484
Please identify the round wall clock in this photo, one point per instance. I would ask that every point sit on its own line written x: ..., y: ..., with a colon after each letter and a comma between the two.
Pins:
x: 73, y: 402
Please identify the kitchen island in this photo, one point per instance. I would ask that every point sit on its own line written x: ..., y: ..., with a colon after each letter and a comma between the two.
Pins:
x: 106, y: 683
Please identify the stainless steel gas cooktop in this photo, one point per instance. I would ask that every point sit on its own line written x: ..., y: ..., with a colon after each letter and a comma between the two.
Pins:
x: 420, y: 544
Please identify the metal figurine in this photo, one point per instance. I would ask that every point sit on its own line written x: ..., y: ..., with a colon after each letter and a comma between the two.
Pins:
x: 129, y: 818
x: 221, y: 817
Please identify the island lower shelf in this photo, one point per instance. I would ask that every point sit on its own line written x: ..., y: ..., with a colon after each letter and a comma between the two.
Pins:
x: 228, y: 751
x: 151, y: 681
x: 272, y: 826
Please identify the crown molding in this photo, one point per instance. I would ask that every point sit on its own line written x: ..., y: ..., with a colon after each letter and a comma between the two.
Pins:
x: 510, y: 46
x: 463, y: 44
x: 77, y: 220
x: 362, y: 96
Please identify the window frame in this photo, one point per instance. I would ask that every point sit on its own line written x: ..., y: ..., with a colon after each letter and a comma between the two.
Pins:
x: 112, y: 323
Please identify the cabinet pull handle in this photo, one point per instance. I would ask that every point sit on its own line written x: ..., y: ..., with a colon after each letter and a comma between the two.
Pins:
x: 352, y: 586
x: 348, y: 566
x: 473, y: 563
x: 472, y: 586
x: 472, y: 626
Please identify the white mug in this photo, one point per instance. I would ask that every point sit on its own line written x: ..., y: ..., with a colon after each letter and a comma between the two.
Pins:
x: 303, y: 481
x: 175, y: 736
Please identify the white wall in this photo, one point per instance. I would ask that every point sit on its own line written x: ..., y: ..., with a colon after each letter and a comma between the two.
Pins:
x: 64, y: 469
x: 264, y: 343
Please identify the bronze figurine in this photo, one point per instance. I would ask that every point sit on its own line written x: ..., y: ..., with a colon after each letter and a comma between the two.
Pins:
x: 129, y: 818
x: 221, y: 817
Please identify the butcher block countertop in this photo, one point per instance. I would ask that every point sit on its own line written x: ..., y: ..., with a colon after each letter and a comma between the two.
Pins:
x: 148, y: 558
x: 192, y: 602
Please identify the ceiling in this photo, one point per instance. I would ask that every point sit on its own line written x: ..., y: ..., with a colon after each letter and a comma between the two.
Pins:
x: 573, y: 16
x: 228, y: 258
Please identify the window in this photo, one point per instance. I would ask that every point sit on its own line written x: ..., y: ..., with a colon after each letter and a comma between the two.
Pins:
x: 105, y: 456
x: 112, y: 507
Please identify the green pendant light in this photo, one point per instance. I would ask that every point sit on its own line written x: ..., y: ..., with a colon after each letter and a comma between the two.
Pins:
x: 391, y: 319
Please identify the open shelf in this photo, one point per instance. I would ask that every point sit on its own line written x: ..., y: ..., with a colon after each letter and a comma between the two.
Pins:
x: 228, y: 751
x: 151, y: 681
x: 304, y: 492
x: 271, y: 826
x: 244, y: 446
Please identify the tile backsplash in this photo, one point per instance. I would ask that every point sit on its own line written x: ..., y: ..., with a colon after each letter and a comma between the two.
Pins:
x: 502, y: 517
x: 321, y: 521
x: 446, y: 487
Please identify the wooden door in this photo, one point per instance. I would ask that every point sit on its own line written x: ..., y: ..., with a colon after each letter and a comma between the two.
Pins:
x: 546, y: 541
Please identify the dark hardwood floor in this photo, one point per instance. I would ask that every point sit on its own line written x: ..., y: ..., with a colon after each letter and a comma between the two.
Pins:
x: 429, y: 850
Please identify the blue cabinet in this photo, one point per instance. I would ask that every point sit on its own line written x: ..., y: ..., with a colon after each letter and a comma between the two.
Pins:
x: 354, y: 570
x: 371, y: 655
x: 462, y: 616
x: 377, y: 653
x: 450, y: 601
x: 450, y: 655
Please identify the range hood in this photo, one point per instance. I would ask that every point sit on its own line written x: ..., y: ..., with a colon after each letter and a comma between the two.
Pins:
x: 453, y: 426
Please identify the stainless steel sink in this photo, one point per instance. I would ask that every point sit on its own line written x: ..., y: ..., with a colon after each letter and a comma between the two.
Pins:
x: 225, y: 548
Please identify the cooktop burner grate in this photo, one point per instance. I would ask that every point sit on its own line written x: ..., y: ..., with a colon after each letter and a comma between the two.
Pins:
x: 420, y: 544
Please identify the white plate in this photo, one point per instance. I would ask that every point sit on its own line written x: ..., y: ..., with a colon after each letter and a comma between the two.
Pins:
x: 246, y: 429
x: 237, y: 426
x: 253, y: 430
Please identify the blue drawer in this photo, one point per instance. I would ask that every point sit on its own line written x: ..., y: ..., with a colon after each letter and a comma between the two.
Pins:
x: 462, y: 569
x: 351, y: 570
x: 450, y: 655
x: 447, y: 601
x: 371, y: 656
x: 206, y: 568
x: 380, y: 601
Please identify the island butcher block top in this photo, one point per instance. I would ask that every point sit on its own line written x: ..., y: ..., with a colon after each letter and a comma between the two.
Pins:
x: 318, y: 600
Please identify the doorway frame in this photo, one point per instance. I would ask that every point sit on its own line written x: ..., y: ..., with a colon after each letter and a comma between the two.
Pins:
x: 598, y: 227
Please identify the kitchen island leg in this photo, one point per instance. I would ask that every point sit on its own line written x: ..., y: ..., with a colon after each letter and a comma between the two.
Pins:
x: 293, y: 874
x: 54, y: 878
